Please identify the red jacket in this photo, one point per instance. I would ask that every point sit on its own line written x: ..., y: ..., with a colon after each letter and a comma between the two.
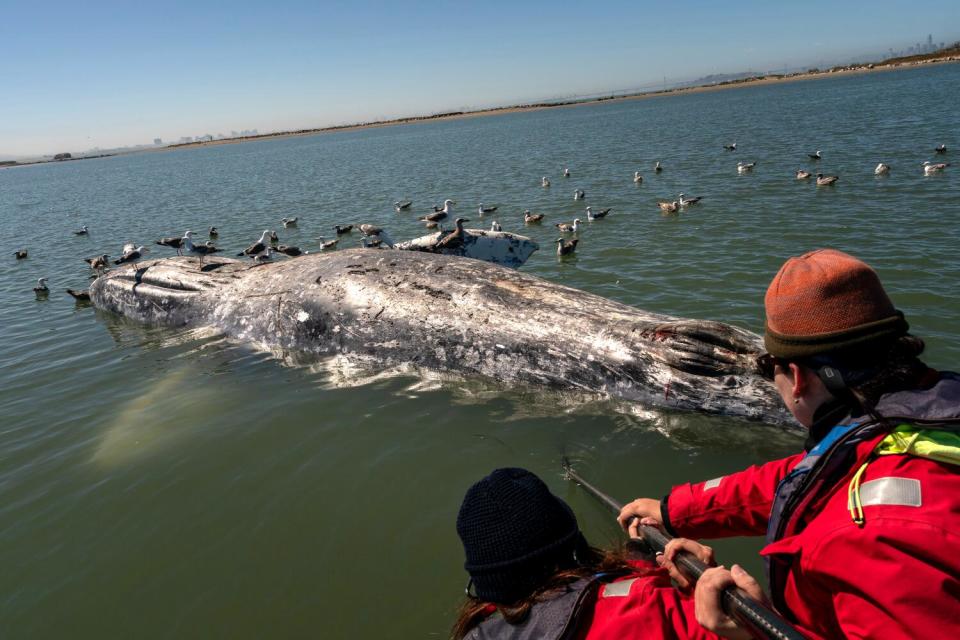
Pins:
x: 896, y: 576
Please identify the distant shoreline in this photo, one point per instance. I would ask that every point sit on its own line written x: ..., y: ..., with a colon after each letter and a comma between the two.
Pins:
x: 892, y: 65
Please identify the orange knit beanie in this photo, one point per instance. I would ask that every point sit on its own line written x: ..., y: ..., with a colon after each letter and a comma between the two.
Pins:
x: 827, y: 301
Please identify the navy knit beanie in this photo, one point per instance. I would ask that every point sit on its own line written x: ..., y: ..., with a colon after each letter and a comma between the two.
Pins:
x: 515, y: 535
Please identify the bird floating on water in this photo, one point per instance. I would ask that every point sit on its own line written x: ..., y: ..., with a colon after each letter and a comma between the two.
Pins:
x: 803, y: 175
x: 930, y: 168
x: 495, y: 226
x: 882, y: 169
x: 669, y: 207
x: 569, y: 227
x: 566, y: 172
x: 482, y: 209
x: 579, y: 194
x: 20, y: 254
x: 815, y: 155
x: 402, y: 206
x: 599, y: 214
x: 342, y: 228
x: 274, y: 238
x: 532, y: 218
x: 41, y: 288
x: 327, y: 245
x: 82, y: 231
x: 81, y: 295
x: 730, y: 147
x: 264, y: 256
x: 637, y: 177
x: 686, y: 202
x: 657, y: 168
x: 213, y: 233
x: 566, y: 247
x: 289, y: 222
x: 255, y: 248
x: 544, y: 182
x: 941, y: 149
x: 745, y: 167
x: 826, y: 181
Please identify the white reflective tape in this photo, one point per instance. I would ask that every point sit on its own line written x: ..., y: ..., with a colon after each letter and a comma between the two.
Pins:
x: 712, y: 484
x: 903, y: 492
x: 618, y: 589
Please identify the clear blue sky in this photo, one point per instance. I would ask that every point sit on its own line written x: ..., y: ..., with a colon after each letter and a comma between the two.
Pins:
x: 74, y: 75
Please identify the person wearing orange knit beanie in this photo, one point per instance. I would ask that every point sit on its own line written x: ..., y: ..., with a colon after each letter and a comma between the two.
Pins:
x: 862, y: 526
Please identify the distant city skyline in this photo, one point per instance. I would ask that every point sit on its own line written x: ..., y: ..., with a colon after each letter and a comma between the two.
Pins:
x: 112, y: 74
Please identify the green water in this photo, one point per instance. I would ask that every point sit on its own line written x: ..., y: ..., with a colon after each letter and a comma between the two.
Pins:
x: 158, y: 483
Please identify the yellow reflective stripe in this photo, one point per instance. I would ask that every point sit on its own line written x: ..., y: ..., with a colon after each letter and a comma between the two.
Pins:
x: 935, y: 444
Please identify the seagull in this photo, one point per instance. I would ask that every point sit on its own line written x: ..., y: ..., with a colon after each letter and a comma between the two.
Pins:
x: 289, y: 222
x: 82, y: 231
x: 941, y: 149
x: 131, y: 254
x: 274, y: 239
x: 326, y: 245
x: 255, y: 248
x: 637, y: 177
x: 815, y: 156
x: 929, y: 168
x: 730, y: 147
x: 882, y: 169
x: 657, y: 168
x: 544, y: 182
x: 569, y: 227
x: 437, y: 216
x: 532, y: 218
x: 99, y: 263
x: 174, y: 242
x: 566, y: 172
x: 579, y: 194
x: 20, y: 254
x: 686, y: 202
x: 291, y: 251
x: 83, y: 295
x: 565, y: 248
x: 454, y: 238
x: 496, y: 226
x: 213, y: 233
x: 201, y: 250
x: 342, y: 228
x: 366, y: 243
x: 745, y: 167
x: 401, y: 206
x: 803, y: 175
x: 482, y: 209
x: 599, y: 214
x: 264, y: 256
x: 41, y: 288
x: 669, y: 207
x: 370, y: 230
x: 825, y: 181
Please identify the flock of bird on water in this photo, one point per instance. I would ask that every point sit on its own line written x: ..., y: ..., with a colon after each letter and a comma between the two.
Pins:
x: 376, y: 237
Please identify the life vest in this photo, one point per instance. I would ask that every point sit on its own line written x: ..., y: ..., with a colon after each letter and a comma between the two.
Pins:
x: 913, y: 420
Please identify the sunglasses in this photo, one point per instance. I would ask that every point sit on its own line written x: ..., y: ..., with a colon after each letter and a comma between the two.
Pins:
x: 767, y: 365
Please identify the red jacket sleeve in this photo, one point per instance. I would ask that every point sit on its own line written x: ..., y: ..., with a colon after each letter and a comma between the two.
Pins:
x: 733, y: 505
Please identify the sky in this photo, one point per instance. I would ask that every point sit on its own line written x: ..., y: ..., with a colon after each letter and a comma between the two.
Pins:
x: 78, y: 75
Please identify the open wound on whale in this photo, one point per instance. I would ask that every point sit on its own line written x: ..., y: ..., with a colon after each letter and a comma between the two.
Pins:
x: 162, y: 417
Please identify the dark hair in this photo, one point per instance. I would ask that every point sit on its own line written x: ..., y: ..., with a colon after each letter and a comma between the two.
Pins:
x: 474, y: 611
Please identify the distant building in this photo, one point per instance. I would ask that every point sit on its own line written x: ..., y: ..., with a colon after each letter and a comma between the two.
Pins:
x: 62, y: 156
x: 157, y: 142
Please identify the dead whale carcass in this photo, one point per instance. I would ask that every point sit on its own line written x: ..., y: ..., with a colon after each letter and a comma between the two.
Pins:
x: 443, y: 313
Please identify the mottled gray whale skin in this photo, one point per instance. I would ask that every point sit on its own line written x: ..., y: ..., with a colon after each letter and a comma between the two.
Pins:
x: 451, y: 314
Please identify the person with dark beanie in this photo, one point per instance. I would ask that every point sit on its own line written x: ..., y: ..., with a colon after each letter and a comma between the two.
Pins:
x: 863, y: 526
x: 534, y: 577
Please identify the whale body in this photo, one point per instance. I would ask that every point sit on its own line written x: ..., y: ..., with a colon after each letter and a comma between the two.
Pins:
x: 451, y: 314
